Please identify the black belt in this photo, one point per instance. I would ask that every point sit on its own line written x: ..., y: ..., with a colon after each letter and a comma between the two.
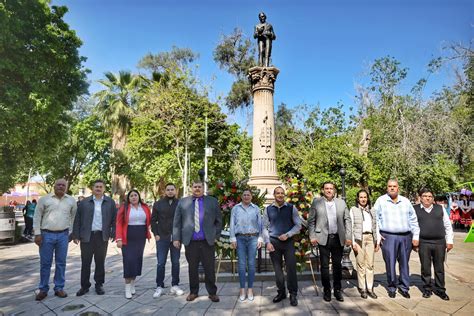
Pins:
x: 55, y: 231
x: 398, y: 234
x: 333, y: 235
x: 367, y: 233
x: 96, y: 232
x: 249, y: 234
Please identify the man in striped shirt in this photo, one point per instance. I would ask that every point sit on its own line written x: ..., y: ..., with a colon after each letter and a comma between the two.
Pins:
x: 399, y: 231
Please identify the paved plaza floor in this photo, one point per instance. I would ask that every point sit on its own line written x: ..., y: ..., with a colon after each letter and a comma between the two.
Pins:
x: 19, y: 275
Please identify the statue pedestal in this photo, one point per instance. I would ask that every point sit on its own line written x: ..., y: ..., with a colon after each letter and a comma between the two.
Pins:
x: 264, y: 171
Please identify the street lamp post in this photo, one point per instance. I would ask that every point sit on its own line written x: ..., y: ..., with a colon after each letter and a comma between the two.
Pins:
x: 346, y: 261
x: 342, y: 173
x: 202, y: 174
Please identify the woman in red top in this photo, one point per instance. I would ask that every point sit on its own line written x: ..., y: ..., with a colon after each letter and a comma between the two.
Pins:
x: 133, y: 227
x: 465, y: 207
x: 455, y: 214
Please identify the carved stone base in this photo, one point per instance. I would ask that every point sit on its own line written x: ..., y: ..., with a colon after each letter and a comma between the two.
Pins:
x: 266, y: 183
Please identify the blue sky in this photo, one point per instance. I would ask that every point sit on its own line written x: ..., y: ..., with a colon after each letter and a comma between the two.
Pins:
x: 323, y: 48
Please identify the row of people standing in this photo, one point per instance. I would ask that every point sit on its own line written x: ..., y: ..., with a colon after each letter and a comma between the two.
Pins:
x: 393, y: 225
x: 196, y: 222
x: 95, y: 221
x: 398, y: 227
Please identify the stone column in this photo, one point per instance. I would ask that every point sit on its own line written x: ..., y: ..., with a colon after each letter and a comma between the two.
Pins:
x: 264, y: 170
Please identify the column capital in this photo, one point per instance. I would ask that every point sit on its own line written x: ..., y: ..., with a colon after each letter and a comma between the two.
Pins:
x: 263, y: 77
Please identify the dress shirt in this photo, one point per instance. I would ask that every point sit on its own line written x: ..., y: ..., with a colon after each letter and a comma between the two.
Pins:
x: 97, y: 220
x: 396, y: 217
x: 137, y: 216
x: 446, y: 222
x: 331, y: 214
x: 245, y: 220
x: 367, y: 220
x: 53, y: 213
x: 200, y: 234
x: 293, y: 231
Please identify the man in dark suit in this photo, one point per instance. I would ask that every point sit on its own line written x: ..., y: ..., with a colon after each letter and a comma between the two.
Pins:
x: 197, y: 224
x: 330, y: 227
x: 94, y: 224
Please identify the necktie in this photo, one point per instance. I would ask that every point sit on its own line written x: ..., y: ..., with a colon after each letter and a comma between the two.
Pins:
x: 196, y: 215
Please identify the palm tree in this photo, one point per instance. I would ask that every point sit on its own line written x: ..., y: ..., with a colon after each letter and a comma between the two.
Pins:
x: 116, y: 107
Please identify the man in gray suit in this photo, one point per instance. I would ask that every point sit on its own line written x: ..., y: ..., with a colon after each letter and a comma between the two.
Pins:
x: 94, y: 224
x: 330, y: 227
x: 197, y: 224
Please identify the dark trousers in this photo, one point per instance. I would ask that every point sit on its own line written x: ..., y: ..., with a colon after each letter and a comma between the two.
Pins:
x: 284, y: 249
x: 201, y: 251
x: 397, y: 248
x: 97, y: 248
x: 28, y: 226
x: 333, y: 250
x: 432, y: 253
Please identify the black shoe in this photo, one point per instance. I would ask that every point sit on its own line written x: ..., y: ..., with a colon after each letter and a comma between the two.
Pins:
x: 279, y: 297
x: 327, y: 296
x: 99, y: 289
x: 372, y: 294
x: 293, y: 300
x: 426, y: 294
x: 442, y: 295
x: 338, y: 295
x: 392, y: 294
x: 363, y: 294
x: 404, y: 294
x: 82, y: 291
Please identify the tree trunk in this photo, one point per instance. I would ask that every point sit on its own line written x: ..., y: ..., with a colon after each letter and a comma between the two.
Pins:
x: 120, y: 182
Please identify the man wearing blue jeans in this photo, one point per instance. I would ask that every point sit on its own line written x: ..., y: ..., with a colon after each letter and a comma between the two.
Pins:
x: 162, y: 227
x: 52, y: 222
x: 246, y: 236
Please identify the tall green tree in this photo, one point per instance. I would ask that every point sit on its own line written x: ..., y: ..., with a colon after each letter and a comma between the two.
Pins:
x: 159, y: 63
x: 236, y: 54
x: 41, y: 76
x: 167, y: 138
x: 423, y: 142
x: 116, y: 106
x: 84, y: 156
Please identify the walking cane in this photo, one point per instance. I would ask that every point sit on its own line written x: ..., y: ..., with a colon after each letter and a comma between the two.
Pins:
x: 312, y: 271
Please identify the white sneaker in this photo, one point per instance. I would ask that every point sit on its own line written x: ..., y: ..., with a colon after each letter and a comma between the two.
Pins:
x: 158, y: 292
x: 132, y: 287
x: 128, y: 293
x: 176, y: 290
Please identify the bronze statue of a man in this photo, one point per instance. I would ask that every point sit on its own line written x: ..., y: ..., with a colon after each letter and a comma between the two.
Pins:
x: 264, y: 35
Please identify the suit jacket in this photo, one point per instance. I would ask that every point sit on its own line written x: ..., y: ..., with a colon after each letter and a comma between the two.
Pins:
x: 318, y: 225
x: 183, y: 223
x: 85, y: 215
